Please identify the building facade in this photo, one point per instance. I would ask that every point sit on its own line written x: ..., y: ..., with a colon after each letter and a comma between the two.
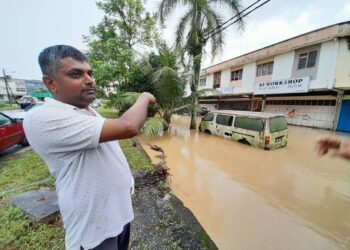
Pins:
x: 306, y: 77
x: 19, y: 88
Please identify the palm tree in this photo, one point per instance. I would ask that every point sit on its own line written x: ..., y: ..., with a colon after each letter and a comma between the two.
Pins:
x: 193, y: 33
x: 163, y: 70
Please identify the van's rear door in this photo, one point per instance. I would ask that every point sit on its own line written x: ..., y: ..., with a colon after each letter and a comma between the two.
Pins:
x: 278, y: 127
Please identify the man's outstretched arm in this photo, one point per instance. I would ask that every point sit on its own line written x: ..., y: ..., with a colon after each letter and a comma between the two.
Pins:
x: 130, y: 123
x: 334, y: 146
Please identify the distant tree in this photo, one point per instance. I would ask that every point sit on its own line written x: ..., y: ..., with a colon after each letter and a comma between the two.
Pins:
x: 111, y: 43
x: 193, y: 29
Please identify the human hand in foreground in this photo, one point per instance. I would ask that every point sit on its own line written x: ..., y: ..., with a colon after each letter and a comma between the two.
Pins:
x: 334, y: 146
x: 151, y: 99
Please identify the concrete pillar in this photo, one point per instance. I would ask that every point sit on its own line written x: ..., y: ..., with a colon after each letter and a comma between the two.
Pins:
x: 338, y: 107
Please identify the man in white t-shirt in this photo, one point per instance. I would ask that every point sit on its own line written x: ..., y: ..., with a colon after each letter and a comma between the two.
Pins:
x: 93, y: 179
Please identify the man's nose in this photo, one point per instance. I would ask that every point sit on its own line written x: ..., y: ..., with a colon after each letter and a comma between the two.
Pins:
x: 89, y: 80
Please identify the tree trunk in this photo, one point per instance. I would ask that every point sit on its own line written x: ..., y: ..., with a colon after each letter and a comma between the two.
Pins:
x: 196, y: 71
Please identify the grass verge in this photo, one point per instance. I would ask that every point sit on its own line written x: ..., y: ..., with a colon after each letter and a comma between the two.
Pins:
x: 107, y: 112
x: 7, y: 106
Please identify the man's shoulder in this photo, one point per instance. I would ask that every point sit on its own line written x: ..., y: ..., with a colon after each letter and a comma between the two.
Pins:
x: 46, y: 113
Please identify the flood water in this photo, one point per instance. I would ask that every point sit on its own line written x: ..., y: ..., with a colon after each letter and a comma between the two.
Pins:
x: 248, y: 198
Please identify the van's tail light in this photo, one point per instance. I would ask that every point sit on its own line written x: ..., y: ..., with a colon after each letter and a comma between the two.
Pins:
x: 267, y: 140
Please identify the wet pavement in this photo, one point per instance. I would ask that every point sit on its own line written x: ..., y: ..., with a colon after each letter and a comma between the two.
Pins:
x: 248, y: 198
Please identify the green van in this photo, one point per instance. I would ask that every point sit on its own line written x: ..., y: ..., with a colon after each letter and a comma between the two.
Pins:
x: 263, y: 130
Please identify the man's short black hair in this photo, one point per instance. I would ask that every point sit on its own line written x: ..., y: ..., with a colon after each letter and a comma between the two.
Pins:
x: 49, y: 57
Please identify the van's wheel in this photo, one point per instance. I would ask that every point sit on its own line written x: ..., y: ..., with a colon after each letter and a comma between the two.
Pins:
x: 244, y: 141
x: 25, y: 142
x: 207, y: 132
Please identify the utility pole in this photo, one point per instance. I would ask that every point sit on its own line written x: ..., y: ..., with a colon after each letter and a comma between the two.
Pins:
x: 7, y: 86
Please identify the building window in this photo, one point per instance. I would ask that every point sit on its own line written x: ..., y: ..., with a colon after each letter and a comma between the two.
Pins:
x: 236, y: 75
x: 264, y: 69
x: 307, y: 60
x: 217, y: 79
x: 202, y: 81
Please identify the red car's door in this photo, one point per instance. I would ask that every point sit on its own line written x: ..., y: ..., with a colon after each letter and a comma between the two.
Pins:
x: 10, y: 133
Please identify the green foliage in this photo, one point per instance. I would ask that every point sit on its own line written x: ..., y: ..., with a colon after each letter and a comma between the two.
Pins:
x: 107, y: 112
x: 131, y: 20
x: 111, y: 42
x: 154, y: 126
x: 161, y: 73
x: 136, y: 159
x: 163, y: 186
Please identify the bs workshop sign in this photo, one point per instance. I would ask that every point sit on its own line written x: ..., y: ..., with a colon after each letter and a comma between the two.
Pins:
x: 292, y: 85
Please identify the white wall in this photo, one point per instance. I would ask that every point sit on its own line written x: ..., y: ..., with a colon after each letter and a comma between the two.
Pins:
x: 283, y: 66
x: 283, y: 69
x: 310, y: 116
x: 225, y: 78
x: 248, y: 79
x: 208, y: 83
x: 326, y: 66
x: 342, y: 78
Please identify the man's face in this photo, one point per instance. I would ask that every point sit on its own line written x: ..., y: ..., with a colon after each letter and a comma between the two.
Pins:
x: 73, y: 83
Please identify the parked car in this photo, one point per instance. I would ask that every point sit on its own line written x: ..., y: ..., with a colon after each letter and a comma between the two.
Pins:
x: 263, y: 130
x: 25, y: 101
x: 11, y: 132
x: 95, y: 104
x: 22, y: 113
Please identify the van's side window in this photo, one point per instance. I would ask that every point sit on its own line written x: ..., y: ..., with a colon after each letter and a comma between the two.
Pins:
x: 249, y: 123
x: 209, y: 117
x: 224, y: 120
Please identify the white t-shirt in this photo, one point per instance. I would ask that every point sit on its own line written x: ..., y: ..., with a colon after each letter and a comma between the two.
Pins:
x: 93, y: 179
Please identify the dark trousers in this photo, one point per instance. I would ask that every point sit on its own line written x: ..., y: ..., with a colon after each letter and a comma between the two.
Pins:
x: 119, y: 242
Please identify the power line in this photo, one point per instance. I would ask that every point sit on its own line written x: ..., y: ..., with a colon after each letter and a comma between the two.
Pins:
x: 221, y: 29
x: 237, y: 15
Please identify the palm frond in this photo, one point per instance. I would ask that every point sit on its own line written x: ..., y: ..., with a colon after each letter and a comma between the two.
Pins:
x: 126, y: 98
x: 154, y: 126
x: 235, y: 7
x: 182, y: 26
x: 165, y: 7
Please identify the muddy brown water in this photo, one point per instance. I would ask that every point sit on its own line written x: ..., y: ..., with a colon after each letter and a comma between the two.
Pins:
x: 248, y: 198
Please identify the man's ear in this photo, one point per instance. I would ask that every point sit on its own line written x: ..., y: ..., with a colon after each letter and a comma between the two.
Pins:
x: 50, y: 84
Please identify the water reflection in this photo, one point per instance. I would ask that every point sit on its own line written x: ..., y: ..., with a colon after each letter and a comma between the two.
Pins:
x: 248, y: 198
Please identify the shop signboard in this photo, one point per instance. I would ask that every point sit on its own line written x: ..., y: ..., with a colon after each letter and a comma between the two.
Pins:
x: 291, y: 85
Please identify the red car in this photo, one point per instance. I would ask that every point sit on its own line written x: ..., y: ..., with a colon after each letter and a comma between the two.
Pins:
x: 11, y: 132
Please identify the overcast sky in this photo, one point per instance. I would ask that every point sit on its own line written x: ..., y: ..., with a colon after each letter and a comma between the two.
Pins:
x: 28, y: 26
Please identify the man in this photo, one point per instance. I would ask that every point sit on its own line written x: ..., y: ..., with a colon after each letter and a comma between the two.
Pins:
x: 93, y: 179
x: 335, y: 146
